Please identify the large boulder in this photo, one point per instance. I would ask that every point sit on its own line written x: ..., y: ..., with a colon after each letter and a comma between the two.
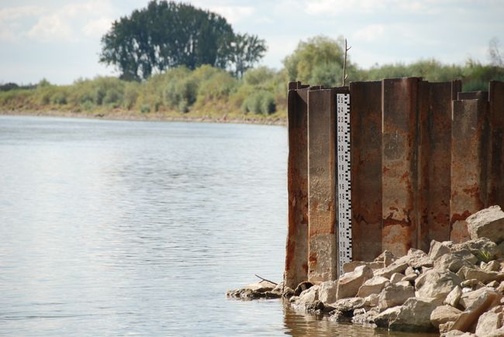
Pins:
x: 487, y: 223
x: 394, y: 295
x: 415, y: 315
x: 373, y: 286
x: 444, y: 313
x: 468, y: 319
x: 436, y: 284
x: 327, y: 291
x: 491, y: 323
x: 349, y: 283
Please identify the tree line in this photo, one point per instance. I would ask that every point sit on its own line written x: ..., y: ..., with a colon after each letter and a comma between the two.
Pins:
x: 174, y: 58
x: 167, y: 35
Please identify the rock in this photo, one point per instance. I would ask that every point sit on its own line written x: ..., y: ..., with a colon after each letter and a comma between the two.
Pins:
x: 443, y: 314
x: 394, y: 294
x: 364, y: 317
x: 372, y: 300
x: 327, y: 291
x: 349, y: 304
x: 438, y: 249
x: 383, y: 319
x: 436, y: 284
x: 482, y: 275
x: 385, y: 258
x: 491, y: 323
x: 302, y: 287
x: 453, y: 297
x: 414, y: 315
x: 455, y: 260
x: 472, y: 284
x: 398, y: 266
x: 488, y: 299
x: 349, y: 283
x: 491, y: 266
x: 487, y: 223
x: 307, y: 298
x: 395, y: 278
x: 468, y: 299
x: 372, y: 286
x: 483, y: 248
x: 350, y: 266
x: 262, y: 289
x: 418, y: 258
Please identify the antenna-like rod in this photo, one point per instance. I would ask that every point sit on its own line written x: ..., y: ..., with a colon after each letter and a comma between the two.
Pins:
x: 344, y: 64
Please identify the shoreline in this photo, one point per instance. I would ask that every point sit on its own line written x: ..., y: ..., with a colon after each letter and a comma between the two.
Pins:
x: 154, y: 117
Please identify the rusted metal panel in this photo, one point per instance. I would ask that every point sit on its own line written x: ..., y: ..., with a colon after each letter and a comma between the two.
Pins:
x: 423, y: 163
x: 438, y: 159
x: 296, y: 259
x: 322, y: 207
x: 468, y: 163
x: 366, y: 163
x: 496, y: 166
x: 399, y: 164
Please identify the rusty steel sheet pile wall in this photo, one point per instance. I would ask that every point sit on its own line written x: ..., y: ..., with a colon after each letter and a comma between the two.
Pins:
x: 424, y: 156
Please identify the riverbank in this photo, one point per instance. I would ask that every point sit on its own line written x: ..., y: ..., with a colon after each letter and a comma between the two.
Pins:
x: 455, y: 289
x: 276, y: 119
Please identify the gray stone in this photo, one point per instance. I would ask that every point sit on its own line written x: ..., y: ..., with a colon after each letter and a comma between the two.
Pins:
x: 307, y: 298
x: 414, y: 315
x: 488, y: 298
x: 454, y: 297
x: 455, y: 260
x: 398, y: 266
x: 436, y: 284
x: 396, y: 277
x: 394, y: 295
x: 491, y: 322
x: 349, y: 283
x: 327, y: 291
x: 487, y: 223
x: 438, y: 249
x: 372, y: 286
x: 443, y: 314
x: 383, y: 319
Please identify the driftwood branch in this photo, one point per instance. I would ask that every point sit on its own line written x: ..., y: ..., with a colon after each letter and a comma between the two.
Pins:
x: 263, y: 279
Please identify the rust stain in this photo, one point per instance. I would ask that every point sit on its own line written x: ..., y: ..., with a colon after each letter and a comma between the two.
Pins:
x: 459, y: 217
x: 473, y: 191
x: 313, y: 259
x: 291, y: 247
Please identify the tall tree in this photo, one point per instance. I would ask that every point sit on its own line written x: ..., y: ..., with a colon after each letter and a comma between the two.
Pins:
x: 319, y: 60
x: 164, y: 35
x: 245, y: 51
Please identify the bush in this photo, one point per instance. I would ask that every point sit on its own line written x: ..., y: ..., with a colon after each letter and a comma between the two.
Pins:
x: 260, y: 102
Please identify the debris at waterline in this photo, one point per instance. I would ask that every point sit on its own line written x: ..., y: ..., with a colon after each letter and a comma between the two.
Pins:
x: 453, y: 289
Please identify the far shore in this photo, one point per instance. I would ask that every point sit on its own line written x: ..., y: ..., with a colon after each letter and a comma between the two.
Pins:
x: 153, y: 116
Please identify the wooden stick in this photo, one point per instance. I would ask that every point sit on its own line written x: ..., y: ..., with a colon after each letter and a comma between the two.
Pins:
x: 263, y: 279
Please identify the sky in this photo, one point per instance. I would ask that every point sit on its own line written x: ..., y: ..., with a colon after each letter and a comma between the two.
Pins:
x: 59, y: 40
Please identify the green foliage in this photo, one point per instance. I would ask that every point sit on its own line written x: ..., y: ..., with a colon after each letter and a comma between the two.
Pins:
x: 321, y: 53
x: 208, y: 89
x: 245, y: 51
x: 259, y: 102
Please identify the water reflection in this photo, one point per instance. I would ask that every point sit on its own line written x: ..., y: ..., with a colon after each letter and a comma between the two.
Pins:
x: 300, y: 324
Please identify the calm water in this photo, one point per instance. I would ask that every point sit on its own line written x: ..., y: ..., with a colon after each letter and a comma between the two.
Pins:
x: 113, y: 228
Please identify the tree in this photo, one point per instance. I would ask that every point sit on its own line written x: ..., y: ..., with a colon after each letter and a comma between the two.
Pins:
x: 245, y: 51
x: 318, y: 61
x: 165, y: 35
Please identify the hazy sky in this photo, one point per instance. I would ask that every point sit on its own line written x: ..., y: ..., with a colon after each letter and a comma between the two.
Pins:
x: 60, y: 39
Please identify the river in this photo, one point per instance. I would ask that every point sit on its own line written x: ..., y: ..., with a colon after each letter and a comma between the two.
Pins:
x: 129, y: 228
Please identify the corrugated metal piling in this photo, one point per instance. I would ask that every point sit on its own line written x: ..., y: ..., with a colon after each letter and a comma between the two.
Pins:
x: 424, y: 156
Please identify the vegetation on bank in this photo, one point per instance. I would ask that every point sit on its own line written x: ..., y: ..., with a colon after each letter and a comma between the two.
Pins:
x: 216, y: 93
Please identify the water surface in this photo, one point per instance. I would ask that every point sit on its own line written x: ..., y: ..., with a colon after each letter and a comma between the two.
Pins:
x: 113, y: 228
